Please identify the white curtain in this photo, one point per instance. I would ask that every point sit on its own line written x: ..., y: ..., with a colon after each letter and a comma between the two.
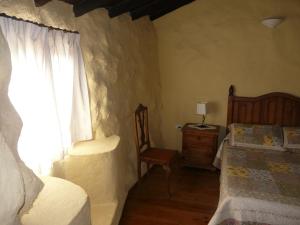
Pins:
x: 49, y: 90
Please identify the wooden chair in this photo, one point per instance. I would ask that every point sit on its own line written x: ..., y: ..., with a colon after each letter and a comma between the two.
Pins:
x: 147, y: 154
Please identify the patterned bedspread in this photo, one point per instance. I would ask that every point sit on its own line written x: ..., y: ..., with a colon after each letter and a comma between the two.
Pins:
x: 258, y: 187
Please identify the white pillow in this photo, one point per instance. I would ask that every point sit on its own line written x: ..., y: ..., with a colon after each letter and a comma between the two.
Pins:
x: 11, y: 186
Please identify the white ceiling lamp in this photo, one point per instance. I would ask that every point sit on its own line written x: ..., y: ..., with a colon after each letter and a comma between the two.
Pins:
x: 272, y: 22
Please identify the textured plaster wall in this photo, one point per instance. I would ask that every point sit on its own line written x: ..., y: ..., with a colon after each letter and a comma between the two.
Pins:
x: 121, y: 63
x: 208, y: 45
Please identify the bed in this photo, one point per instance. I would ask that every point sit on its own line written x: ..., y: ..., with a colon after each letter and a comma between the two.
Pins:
x: 259, y: 186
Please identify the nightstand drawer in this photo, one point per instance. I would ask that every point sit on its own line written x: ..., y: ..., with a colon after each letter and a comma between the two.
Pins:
x: 199, y: 146
x: 198, y: 152
x: 196, y: 159
x: 196, y: 140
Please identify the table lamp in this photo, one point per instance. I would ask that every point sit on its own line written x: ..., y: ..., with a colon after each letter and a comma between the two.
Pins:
x: 201, y: 110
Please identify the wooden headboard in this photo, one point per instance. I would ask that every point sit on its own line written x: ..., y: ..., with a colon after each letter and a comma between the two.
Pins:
x: 273, y: 108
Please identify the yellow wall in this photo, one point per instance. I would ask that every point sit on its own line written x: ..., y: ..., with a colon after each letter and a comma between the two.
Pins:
x: 208, y: 45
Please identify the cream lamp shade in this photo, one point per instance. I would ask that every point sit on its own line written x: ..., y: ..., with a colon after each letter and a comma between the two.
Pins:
x: 201, y: 108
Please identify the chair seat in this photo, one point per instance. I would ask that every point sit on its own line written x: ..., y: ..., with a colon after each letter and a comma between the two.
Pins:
x: 158, y: 156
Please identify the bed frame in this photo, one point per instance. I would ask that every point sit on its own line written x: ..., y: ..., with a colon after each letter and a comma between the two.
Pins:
x: 275, y: 108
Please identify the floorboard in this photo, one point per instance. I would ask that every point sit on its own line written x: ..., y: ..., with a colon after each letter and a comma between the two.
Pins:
x: 194, y: 199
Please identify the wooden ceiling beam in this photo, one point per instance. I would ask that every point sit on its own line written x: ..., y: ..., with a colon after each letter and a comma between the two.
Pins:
x: 126, y: 6
x: 39, y: 3
x: 137, y: 8
x: 89, y: 5
x: 72, y: 1
x: 120, y: 8
x: 144, y: 9
x: 167, y: 6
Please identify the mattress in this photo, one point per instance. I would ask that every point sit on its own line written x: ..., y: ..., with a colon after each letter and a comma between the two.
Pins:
x: 260, y: 187
x: 59, y: 203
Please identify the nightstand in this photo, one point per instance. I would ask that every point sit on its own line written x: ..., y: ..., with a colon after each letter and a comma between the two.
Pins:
x: 199, y: 147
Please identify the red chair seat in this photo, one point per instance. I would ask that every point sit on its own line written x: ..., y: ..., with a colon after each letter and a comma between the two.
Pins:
x: 158, y: 156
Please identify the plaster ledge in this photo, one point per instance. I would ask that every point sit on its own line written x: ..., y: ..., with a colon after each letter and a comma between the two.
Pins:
x: 103, y: 214
x: 103, y: 145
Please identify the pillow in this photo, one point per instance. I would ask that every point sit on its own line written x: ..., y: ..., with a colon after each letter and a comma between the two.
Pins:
x: 11, y: 186
x: 256, y: 136
x: 292, y: 138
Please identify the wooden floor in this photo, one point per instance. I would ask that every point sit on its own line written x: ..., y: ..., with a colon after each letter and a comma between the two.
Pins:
x: 194, y: 199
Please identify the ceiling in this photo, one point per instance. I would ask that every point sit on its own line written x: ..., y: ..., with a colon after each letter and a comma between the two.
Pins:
x: 136, y: 8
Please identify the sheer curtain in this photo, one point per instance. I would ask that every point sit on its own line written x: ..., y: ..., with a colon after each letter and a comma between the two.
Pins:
x: 49, y: 90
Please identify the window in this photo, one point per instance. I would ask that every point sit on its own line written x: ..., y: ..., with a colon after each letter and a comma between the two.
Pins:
x: 49, y: 90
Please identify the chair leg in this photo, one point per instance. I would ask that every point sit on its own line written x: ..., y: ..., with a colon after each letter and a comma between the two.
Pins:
x: 148, y: 166
x: 139, y: 170
x: 168, y: 173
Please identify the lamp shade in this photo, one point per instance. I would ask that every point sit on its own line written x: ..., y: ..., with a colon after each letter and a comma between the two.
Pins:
x: 201, y: 108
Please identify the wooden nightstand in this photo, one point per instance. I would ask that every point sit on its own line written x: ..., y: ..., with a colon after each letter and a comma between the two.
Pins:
x: 199, y: 147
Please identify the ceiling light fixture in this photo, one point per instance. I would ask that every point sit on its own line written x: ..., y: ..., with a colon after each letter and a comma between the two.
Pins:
x: 272, y: 22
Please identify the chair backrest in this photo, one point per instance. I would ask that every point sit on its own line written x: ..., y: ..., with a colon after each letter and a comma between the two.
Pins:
x: 141, y: 128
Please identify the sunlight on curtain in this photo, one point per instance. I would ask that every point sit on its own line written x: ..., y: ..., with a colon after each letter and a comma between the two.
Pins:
x: 49, y: 90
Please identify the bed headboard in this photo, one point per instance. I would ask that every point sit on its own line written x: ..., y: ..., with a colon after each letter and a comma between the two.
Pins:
x: 273, y: 108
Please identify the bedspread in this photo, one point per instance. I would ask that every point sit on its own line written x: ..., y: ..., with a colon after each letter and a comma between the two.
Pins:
x: 258, y: 187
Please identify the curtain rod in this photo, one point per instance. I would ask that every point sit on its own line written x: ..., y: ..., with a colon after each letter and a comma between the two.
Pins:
x: 39, y: 24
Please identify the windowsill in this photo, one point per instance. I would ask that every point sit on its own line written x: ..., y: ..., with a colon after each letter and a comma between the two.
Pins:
x: 94, y: 147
